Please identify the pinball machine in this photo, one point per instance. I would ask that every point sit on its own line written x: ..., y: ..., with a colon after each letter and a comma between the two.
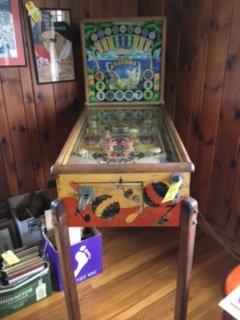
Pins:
x: 124, y: 163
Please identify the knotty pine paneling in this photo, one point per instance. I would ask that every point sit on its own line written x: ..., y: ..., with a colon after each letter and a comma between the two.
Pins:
x: 198, y: 86
x: 226, y: 156
x: 173, y: 11
x: 10, y: 176
x: 201, y: 95
x: 16, y: 120
x: 219, y: 36
x: 35, y: 120
x: 232, y: 219
x: 188, y: 53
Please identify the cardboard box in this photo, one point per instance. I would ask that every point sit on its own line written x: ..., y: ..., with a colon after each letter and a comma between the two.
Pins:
x: 16, y: 297
x: 86, y: 258
x: 29, y: 229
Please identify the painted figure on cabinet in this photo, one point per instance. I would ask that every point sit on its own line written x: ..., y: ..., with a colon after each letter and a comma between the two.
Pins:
x: 123, y: 204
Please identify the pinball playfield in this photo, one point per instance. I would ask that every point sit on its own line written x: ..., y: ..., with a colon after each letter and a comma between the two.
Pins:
x: 123, y: 136
x: 124, y: 163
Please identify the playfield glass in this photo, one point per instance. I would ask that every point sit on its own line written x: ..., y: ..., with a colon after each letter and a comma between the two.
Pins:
x: 123, y: 61
x: 118, y: 136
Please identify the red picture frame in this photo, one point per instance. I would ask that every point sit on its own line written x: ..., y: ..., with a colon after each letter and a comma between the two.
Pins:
x: 11, y: 36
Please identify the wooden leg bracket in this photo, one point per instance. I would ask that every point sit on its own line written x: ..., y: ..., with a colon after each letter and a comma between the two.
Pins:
x: 227, y: 316
x: 63, y: 247
x: 186, y: 248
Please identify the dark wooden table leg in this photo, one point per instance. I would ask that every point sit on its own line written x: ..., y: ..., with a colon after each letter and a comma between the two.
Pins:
x: 186, y: 247
x: 226, y: 316
x: 63, y: 247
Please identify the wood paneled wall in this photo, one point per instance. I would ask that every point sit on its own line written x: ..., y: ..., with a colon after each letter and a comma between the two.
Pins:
x: 201, y: 94
x: 35, y: 119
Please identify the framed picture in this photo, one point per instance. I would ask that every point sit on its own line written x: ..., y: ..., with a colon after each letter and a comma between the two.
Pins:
x: 11, y: 39
x: 52, y: 46
x: 8, y: 238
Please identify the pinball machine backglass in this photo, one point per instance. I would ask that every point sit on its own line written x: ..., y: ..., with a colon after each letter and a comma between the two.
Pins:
x: 124, y: 163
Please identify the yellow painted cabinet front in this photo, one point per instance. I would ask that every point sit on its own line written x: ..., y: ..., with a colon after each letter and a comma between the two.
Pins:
x: 121, y: 199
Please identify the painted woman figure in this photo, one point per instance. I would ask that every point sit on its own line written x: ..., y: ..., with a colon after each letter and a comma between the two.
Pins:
x: 53, y: 48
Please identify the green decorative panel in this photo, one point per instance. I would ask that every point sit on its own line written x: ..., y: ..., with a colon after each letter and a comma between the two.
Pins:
x: 123, y: 61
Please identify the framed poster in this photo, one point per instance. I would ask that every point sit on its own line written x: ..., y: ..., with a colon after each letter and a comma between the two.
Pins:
x: 52, y: 46
x: 11, y: 40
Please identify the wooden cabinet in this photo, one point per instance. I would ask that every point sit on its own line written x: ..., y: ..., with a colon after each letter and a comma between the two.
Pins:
x: 124, y: 154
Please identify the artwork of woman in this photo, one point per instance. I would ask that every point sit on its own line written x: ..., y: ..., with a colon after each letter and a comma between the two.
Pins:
x: 52, y: 38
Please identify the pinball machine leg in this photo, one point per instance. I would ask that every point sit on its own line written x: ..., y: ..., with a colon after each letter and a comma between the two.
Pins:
x: 63, y: 246
x: 226, y: 316
x: 186, y: 247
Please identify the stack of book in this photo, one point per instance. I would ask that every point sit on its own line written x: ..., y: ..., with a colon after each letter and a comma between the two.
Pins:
x: 30, y: 263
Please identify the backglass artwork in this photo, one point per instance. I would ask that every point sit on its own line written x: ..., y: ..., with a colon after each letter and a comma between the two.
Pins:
x: 123, y: 61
